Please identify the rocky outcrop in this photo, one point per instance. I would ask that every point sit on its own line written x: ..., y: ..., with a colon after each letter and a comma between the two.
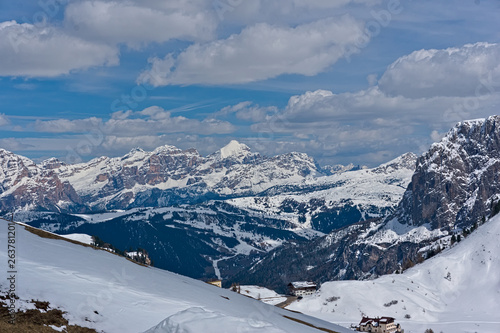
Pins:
x: 24, y: 185
x: 457, y: 181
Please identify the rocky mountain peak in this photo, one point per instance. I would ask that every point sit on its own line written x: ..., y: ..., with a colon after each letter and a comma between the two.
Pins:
x: 166, y: 150
x: 405, y: 161
x: 27, y: 185
x: 456, y: 181
x: 51, y: 163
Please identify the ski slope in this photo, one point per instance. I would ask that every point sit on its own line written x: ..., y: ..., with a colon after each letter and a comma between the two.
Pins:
x: 456, y: 291
x: 101, y: 290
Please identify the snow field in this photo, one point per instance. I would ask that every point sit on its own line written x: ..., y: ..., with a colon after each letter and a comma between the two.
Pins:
x: 457, y: 291
x: 111, y: 294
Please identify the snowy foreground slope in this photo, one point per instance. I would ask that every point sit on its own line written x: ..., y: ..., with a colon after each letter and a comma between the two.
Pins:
x: 455, y: 291
x: 106, y: 292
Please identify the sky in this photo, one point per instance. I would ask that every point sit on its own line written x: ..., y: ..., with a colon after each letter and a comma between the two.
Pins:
x: 345, y: 81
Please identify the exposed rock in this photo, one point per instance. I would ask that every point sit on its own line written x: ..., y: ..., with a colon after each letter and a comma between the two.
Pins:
x: 24, y: 185
x: 457, y: 180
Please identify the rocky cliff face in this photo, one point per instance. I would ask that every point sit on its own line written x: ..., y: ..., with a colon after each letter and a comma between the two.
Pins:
x: 457, y: 180
x: 24, y: 185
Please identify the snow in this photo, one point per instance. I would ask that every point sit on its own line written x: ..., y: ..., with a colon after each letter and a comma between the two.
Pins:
x: 395, y: 232
x: 111, y: 294
x: 82, y: 238
x: 303, y: 284
x: 456, y: 291
x: 263, y: 294
x: 197, y: 319
x: 233, y: 148
x: 107, y: 216
x: 58, y: 329
x: 381, y: 187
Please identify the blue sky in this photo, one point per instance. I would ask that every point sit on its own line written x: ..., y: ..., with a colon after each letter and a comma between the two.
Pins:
x: 359, y: 81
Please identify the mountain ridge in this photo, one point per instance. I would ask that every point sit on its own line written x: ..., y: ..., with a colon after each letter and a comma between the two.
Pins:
x: 167, y: 175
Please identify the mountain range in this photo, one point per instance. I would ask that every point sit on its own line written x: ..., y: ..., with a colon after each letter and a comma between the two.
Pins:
x: 248, y: 218
x: 270, y: 202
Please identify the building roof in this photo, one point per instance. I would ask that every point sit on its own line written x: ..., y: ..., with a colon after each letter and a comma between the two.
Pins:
x: 376, y: 321
x: 303, y: 284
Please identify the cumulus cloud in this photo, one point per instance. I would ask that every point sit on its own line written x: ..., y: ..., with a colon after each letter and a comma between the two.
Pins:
x: 458, y: 71
x: 92, y: 31
x: 259, y: 52
x: 36, y: 51
x: 376, y: 123
x: 138, y: 23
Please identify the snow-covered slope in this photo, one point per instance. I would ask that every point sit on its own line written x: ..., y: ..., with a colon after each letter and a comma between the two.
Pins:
x: 104, y: 291
x: 456, y: 291
x: 265, y: 295
x: 364, y: 194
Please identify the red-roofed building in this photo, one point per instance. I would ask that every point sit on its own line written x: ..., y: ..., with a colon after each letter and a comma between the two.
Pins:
x: 379, y: 325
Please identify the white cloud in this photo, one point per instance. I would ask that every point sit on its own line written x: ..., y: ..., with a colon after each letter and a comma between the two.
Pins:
x: 458, y: 71
x: 36, y: 51
x: 155, y: 113
x: 247, y: 111
x: 150, y: 121
x: 120, y: 115
x: 4, y: 120
x: 67, y: 126
x: 288, y: 12
x: 259, y: 52
x: 371, y: 125
x: 436, y: 136
x: 14, y: 144
x: 137, y: 23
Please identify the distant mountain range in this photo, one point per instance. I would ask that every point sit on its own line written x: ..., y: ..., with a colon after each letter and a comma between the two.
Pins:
x: 165, y: 176
x: 266, y: 220
x: 162, y: 201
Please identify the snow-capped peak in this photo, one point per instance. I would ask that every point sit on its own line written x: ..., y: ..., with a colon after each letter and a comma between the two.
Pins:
x: 234, y: 149
x: 136, y: 150
x: 51, y: 163
x: 166, y: 149
x: 405, y: 161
